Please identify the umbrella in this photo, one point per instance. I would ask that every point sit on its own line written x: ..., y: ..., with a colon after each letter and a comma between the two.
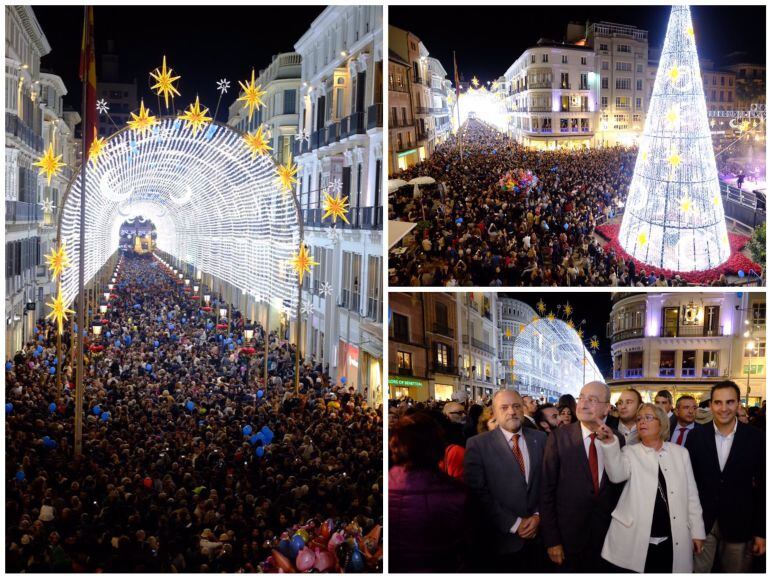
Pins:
x: 395, y: 184
x: 422, y: 181
x: 397, y: 230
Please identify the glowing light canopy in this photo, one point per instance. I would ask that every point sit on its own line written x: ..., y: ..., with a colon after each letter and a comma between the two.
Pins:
x: 672, y: 219
x: 484, y: 105
x: 214, y: 204
x: 549, y: 358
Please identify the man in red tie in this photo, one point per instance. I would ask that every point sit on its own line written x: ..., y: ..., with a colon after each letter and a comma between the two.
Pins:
x: 502, y: 470
x: 685, y: 419
x: 577, y: 498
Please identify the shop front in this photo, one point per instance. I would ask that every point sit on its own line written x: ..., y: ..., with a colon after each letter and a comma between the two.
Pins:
x: 400, y: 386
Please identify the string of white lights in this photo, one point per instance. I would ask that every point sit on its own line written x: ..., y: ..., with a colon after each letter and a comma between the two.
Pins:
x: 674, y: 216
x: 213, y: 206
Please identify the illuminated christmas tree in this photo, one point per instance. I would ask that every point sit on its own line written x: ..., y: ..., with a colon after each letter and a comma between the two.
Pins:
x: 674, y: 216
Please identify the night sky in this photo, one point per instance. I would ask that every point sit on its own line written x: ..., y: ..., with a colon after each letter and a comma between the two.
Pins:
x: 488, y: 39
x: 594, y: 307
x: 202, y: 44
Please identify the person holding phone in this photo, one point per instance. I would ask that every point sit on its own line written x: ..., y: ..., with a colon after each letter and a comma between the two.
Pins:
x: 658, y: 522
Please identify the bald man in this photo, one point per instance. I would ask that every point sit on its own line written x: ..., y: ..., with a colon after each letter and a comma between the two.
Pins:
x: 577, y: 498
x: 502, y: 469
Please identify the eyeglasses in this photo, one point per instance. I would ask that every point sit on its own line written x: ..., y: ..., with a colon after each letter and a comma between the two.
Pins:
x: 592, y: 399
x: 456, y: 413
x: 648, y: 417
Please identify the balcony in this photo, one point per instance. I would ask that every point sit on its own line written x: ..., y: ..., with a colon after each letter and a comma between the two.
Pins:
x: 397, y: 87
x: 537, y: 85
x: 332, y: 134
x: 369, y: 218
x: 422, y: 110
x: 540, y: 109
x: 374, y: 116
x: 632, y: 333
x: 666, y: 372
x: 446, y: 369
x: 565, y: 86
x: 16, y: 127
x: 406, y: 371
x: 691, y: 331
x: 710, y: 372
x: 422, y: 136
x: 632, y: 373
x: 22, y: 212
x: 477, y: 343
x: 688, y: 372
x: 315, y: 139
x: 353, y: 124
x: 444, y: 330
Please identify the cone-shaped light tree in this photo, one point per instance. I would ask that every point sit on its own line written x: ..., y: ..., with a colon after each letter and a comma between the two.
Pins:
x: 674, y: 216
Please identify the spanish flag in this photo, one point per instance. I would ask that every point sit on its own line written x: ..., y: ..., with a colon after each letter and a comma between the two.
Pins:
x: 88, y: 75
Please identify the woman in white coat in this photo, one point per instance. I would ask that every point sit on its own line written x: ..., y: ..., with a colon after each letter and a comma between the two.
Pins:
x: 658, y: 521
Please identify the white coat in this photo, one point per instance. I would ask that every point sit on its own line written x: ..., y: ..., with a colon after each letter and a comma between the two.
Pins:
x: 628, y: 537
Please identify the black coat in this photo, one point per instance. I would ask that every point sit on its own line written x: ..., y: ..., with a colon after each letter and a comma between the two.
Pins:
x: 570, y: 513
x: 735, y: 496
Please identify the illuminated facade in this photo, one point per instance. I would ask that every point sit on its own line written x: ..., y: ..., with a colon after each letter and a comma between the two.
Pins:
x: 402, y: 136
x: 478, y: 359
x: 340, y: 113
x: 686, y: 342
x: 513, y: 316
x: 281, y: 82
x: 551, y: 96
x: 440, y: 89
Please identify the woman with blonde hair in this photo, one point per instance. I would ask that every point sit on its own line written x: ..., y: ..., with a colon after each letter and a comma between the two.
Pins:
x: 658, y: 522
x: 486, y: 420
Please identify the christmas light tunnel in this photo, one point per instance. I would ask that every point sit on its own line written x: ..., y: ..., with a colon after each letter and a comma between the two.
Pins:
x: 215, y: 204
x: 674, y: 217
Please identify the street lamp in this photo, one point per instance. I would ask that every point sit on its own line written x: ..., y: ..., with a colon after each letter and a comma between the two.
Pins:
x: 103, y: 307
x: 195, y: 288
x: 206, y: 298
x: 106, y: 295
x: 110, y: 286
x: 248, y: 333
x: 223, y: 312
x: 186, y: 282
x: 96, y: 326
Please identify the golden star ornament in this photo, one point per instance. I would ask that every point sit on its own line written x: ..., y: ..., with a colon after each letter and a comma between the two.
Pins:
x: 50, y: 164
x: 164, y: 82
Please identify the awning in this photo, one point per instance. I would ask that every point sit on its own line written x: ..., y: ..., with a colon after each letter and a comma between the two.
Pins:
x: 395, y: 184
x: 397, y: 230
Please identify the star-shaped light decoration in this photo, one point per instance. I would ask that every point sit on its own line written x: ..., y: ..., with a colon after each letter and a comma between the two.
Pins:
x: 97, y: 146
x: 522, y: 328
x: 102, y: 107
x: 594, y: 343
x: 540, y: 307
x: 475, y: 82
x: 302, y: 136
x: 570, y: 324
x: 195, y: 117
x: 508, y: 332
x: 47, y: 206
x: 325, y: 289
x: 535, y: 319
x: 674, y: 160
x: 307, y: 308
x: 568, y: 309
x: 690, y: 31
x: 164, y: 82
x: 50, y: 164
x: 287, y: 176
x: 58, y: 260
x: 143, y: 121
x: 672, y: 116
x: 334, y: 187
x: 580, y: 333
x: 59, y: 311
x: 673, y: 73
x: 336, y: 207
x: 512, y: 363
x: 302, y: 262
x: 642, y: 239
x: 716, y: 200
x: 333, y: 234
x: 686, y: 204
x: 257, y: 142
x: 252, y: 94
x: 223, y: 86
x: 550, y: 316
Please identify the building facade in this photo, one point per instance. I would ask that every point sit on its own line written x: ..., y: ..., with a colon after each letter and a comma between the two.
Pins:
x: 686, y: 342
x: 341, y: 112
x: 281, y: 82
x: 402, y: 137
x: 551, y: 96
x: 750, y: 83
x: 621, y: 61
x: 25, y: 143
x: 513, y: 315
x: 478, y: 360
x: 121, y: 95
x: 441, y: 93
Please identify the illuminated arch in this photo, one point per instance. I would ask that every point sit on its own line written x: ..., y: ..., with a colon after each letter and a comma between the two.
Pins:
x: 485, y: 105
x: 212, y: 204
x: 549, y: 354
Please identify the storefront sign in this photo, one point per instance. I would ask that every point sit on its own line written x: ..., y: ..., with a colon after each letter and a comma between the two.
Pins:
x: 399, y: 381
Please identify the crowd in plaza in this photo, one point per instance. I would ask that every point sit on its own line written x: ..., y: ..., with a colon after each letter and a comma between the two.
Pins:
x: 470, y: 231
x: 513, y: 485
x: 190, y: 462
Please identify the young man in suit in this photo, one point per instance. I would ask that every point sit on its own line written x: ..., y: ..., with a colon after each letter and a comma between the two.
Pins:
x: 502, y: 470
x: 577, y: 498
x: 728, y: 460
x: 684, y: 419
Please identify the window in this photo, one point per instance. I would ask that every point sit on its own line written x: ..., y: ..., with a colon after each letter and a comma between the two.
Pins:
x: 583, y: 60
x: 670, y: 322
x: 564, y: 59
x: 442, y: 315
x: 711, y: 320
x: 639, y: 85
x: 624, y: 48
x: 623, y: 66
x: 565, y: 80
x: 441, y: 356
x: 688, y: 364
x: 583, y: 81
x: 714, y: 80
x: 639, y: 69
x: 563, y: 125
x: 622, y: 84
x: 667, y: 362
x: 404, y: 360
x: 403, y: 116
x: 722, y: 80
x: 710, y: 363
x: 545, y: 58
x: 721, y: 96
x: 754, y: 348
x: 638, y: 103
x: 603, y: 47
x: 605, y: 65
x: 605, y: 83
x: 604, y: 102
x: 759, y: 314
x: 622, y: 102
x: 400, y: 327
x: 289, y: 102
x: 393, y: 116
x: 532, y: 59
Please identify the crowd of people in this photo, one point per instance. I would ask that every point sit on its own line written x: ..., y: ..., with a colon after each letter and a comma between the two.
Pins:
x: 581, y: 486
x: 472, y: 232
x: 190, y: 462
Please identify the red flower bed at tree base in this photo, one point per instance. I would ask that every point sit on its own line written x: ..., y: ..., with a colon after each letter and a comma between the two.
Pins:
x: 735, y: 263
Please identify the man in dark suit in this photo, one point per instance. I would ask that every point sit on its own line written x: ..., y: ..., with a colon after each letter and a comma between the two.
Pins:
x: 728, y: 460
x: 683, y: 421
x: 577, y: 498
x: 502, y: 469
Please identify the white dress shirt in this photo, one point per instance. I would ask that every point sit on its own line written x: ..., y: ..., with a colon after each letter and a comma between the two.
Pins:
x: 525, y: 454
x: 587, y: 443
x: 724, y: 444
x: 687, y: 430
